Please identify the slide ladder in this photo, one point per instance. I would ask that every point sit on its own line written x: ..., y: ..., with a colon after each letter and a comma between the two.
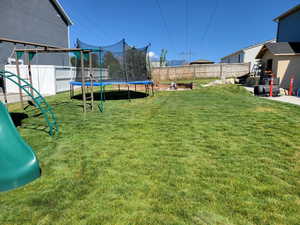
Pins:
x: 38, y: 100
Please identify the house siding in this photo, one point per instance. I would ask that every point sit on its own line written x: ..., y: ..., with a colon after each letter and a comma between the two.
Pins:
x: 247, y: 56
x: 250, y: 55
x: 288, y: 67
x: 288, y: 28
x: 34, y: 21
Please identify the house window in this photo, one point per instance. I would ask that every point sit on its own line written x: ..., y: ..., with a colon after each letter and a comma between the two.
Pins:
x: 269, y: 64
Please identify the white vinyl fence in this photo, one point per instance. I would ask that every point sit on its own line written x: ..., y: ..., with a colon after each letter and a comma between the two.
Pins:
x: 49, y: 79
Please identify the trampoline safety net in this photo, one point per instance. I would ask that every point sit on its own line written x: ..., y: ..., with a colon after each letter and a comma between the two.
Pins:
x: 114, y: 63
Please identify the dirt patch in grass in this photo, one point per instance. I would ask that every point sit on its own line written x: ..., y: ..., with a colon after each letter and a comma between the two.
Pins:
x: 265, y: 109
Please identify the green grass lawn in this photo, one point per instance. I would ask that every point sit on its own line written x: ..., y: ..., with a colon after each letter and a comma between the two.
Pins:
x: 214, y: 156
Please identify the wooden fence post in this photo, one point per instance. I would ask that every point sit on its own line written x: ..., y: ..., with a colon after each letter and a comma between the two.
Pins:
x: 19, y: 81
x: 175, y: 73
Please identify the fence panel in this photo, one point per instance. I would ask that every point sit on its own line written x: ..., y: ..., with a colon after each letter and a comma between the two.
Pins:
x: 199, y: 71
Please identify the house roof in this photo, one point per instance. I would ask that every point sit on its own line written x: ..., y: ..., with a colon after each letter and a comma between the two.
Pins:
x: 61, y: 10
x: 201, y: 61
x: 280, y: 48
x: 249, y: 47
x: 287, y: 13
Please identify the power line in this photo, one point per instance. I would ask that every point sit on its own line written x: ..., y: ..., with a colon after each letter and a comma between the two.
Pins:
x: 187, y: 29
x: 211, y: 18
x: 165, y: 23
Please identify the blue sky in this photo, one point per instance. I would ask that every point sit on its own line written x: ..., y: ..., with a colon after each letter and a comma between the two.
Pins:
x: 210, y: 29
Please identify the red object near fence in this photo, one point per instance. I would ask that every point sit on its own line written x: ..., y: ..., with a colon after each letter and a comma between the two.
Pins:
x: 291, y: 86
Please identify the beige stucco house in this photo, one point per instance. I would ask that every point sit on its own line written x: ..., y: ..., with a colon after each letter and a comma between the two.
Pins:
x: 283, y: 59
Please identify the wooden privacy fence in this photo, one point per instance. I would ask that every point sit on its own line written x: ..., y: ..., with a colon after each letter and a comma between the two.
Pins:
x: 191, y: 72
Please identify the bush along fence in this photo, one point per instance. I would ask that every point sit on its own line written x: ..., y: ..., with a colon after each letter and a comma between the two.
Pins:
x: 191, y: 72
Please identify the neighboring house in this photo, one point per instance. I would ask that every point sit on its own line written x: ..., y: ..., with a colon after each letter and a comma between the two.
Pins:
x: 201, y: 62
x: 246, y: 55
x: 283, y: 59
x: 41, y: 21
x: 288, y: 25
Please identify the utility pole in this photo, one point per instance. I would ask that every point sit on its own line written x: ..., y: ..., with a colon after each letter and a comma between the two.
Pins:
x: 187, y: 55
x: 163, y: 57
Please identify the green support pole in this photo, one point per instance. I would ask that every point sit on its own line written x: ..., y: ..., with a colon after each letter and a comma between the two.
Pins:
x: 37, y: 98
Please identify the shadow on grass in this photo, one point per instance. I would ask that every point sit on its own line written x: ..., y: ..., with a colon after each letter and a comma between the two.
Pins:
x: 40, y: 128
x: 17, y: 118
x: 116, y: 95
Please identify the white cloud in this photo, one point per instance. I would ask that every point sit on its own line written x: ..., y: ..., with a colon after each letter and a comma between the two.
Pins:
x: 152, y: 55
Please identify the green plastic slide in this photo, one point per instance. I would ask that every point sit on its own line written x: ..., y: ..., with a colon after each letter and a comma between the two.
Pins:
x: 18, y: 163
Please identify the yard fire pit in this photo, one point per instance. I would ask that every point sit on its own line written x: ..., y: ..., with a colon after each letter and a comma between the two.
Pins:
x: 174, y: 86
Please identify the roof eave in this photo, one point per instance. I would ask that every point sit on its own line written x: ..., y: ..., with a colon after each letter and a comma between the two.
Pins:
x: 287, y: 54
x: 247, y: 48
x: 63, y: 12
x: 232, y: 54
x: 287, y: 13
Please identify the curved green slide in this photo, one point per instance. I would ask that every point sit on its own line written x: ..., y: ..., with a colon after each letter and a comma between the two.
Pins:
x: 18, y: 163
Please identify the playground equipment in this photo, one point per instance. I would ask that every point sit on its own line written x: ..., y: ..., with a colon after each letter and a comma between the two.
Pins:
x: 81, y: 68
x: 18, y: 163
x: 117, y: 64
x: 36, y: 97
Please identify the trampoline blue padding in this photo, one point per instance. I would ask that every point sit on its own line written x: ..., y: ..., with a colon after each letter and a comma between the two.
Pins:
x: 144, y: 82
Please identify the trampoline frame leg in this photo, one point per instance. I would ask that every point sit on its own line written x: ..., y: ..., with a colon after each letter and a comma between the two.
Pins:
x: 128, y: 92
x: 152, y: 87
x: 71, y: 91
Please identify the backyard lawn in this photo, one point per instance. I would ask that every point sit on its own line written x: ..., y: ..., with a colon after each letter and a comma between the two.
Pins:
x: 211, y: 156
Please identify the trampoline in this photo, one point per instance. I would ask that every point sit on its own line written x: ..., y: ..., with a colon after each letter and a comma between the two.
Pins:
x: 117, y: 64
x: 97, y: 84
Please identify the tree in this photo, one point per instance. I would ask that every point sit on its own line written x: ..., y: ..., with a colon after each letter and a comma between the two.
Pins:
x: 163, y: 57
